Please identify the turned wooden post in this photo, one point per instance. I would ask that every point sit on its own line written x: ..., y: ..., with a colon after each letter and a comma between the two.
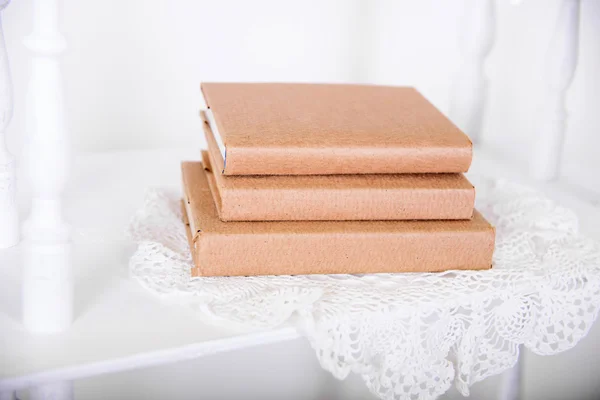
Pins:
x: 468, y: 92
x: 559, y: 68
x: 47, y: 271
x: 8, y: 396
x: 9, y: 220
x: 52, y: 391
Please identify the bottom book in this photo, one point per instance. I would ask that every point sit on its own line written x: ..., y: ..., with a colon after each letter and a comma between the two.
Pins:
x: 325, y: 247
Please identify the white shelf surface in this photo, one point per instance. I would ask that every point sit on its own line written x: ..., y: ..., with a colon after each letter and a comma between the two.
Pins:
x: 117, y: 324
x: 585, y: 203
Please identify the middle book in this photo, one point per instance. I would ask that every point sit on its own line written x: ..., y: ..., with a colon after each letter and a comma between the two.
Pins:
x: 336, y: 197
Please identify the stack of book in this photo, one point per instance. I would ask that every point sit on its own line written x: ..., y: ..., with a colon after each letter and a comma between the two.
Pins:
x: 330, y: 179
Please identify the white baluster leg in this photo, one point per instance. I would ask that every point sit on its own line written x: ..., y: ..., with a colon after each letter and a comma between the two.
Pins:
x: 47, y: 287
x: 559, y: 68
x: 510, y: 388
x: 47, y: 283
x: 8, y: 396
x: 47, y: 270
x: 47, y: 299
x: 52, y: 391
x: 47, y: 148
x: 468, y: 91
x: 9, y: 221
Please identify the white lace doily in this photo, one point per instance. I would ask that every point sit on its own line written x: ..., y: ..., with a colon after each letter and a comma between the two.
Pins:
x: 408, y: 335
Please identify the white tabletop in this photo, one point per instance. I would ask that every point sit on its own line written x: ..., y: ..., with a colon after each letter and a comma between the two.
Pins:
x: 117, y: 324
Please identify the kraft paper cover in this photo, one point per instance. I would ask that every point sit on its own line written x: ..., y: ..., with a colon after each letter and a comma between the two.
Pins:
x: 319, y: 129
x: 316, y: 247
x: 337, y: 197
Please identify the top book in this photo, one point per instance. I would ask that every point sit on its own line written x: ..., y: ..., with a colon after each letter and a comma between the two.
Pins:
x: 321, y: 129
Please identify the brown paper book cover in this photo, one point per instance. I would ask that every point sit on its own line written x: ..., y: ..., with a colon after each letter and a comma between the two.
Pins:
x: 337, y: 197
x: 326, y: 247
x: 321, y: 129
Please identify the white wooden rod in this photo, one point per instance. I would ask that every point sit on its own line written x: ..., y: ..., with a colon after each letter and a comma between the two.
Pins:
x: 468, y: 92
x: 559, y: 68
x: 47, y: 270
x: 9, y: 220
x: 510, y: 388
x: 8, y: 395
x: 52, y: 391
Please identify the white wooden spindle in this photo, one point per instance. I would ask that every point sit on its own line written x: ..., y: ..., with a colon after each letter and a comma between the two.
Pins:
x: 47, y: 272
x: 47, y: 147
x: 8, y: 396
x: 47, y: 287
x: 510, y: 387
x: 559, y: 68
x: 52, y: 391
x: 9, y: 221
x: 468, y: 92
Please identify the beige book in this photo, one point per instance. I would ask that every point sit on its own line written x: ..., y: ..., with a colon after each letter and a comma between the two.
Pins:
x: 337, y: 197
x: 322, y: 129
x: 325, y: 247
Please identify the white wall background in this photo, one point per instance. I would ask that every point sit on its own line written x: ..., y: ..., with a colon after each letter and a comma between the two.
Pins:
x: 133, y: 67
x: 133, y: 70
